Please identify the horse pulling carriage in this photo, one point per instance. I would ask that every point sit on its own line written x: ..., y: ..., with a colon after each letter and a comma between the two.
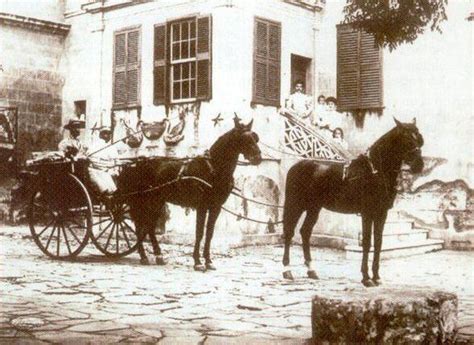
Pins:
x: 65, y: 211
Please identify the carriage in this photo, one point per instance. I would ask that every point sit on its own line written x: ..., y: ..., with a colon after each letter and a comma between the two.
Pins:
x: 65, y: 213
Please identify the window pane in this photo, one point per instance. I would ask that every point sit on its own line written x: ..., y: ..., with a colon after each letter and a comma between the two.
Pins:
x: 184, y: 31
x: 176, y: 72
x: 193, y: 88
x: 184, y: 50
x: 193, y: 29
x: 193, y: 69
x: 192, y: 48
x: 185, y: 89
x: 175, y: 29
x: 186, y: 71
x: 175, y: 51
x: 176, y: 90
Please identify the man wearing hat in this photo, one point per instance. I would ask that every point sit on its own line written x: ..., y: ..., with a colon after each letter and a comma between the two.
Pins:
x: 72, y: 146
x: 102, y: 168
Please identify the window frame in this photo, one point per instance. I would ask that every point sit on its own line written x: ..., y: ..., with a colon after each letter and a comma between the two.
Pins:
x: 180, y: 62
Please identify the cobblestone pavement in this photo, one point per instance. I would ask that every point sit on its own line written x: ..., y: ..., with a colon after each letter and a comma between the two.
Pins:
x: 92, y: 299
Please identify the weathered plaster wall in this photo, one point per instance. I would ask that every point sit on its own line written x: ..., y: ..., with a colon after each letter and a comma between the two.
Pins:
x: 44, y: 9
x: 30, y: 80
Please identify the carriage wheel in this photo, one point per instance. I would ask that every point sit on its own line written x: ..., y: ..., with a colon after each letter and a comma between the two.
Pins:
x: 113, y: 231
x: 60, y: 216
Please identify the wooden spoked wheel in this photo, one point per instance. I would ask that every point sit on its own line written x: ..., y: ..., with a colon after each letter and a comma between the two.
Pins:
x: 113, y: 231
x: 60, y: 216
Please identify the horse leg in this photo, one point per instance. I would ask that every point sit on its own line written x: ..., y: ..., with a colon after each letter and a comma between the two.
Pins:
x: 366, y: 240
x: 379, y: 224
x: 306, y: 230
x: 211, y: 223
x: 159, y: 259
x: 291, y: 214
x: 200, y: 220
x: 141, y: 233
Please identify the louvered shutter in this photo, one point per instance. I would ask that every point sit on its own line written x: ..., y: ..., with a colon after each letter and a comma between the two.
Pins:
x: 204, y: 69
x: 133, y: 68
x: 273, y: 65
x: 266, y: 62
x: 160, y: 65
x: 359, y: 70
x: 126, y: 86
x: 370, y: 73
x: 120, y: 77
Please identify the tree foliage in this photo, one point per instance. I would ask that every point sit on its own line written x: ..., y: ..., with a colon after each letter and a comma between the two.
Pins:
x: 394, y: 22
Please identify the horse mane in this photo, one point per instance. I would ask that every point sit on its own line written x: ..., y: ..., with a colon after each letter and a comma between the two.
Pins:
x: 380, y: 142
x: 223, y: 139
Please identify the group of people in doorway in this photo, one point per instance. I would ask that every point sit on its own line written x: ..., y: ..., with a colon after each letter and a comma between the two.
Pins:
x: 323, y: 115
x: 101, y: 156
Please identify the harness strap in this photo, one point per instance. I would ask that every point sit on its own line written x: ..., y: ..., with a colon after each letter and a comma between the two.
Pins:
x: 371, y: 164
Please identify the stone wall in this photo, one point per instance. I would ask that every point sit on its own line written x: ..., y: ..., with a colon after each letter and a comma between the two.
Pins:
x: 30, y: 81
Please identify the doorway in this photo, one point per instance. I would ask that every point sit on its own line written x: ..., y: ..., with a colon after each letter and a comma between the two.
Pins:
x: 301, y: 70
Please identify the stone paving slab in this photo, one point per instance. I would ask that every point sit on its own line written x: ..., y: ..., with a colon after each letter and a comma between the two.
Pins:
x: 97, y: 300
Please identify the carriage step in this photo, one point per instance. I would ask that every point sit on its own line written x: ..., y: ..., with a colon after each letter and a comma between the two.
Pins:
x: 398, y: 249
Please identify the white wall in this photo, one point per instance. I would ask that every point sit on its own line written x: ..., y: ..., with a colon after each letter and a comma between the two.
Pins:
x: 51, y: 10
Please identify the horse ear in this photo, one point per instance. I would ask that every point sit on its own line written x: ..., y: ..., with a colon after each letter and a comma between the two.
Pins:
x: 249, y: 126
x: 414, y: 121
x: 237, y: 123
x: 398, y: 123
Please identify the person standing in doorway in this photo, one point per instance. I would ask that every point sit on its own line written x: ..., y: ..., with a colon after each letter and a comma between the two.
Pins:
x: 299, y: 104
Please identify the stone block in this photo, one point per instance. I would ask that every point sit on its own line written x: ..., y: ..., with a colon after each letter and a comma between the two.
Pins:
x: 384, y: 316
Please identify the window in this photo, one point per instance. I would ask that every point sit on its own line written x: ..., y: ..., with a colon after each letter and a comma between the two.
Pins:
x: 266, y: 62
x: 126, y: 90
x: 359, y: 71
x: 182, y: 55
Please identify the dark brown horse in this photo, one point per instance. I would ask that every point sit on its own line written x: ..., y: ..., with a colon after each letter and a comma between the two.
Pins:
x: 366, y: 188
x: 215, y: 170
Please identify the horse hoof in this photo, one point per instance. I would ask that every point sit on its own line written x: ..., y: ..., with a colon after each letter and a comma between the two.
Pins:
x: 160, y: 260
x: 144, y: 261
x: 210, y: 266
x: 312, y: 274
x: 368, y: 283
x: 200, y: 268
x: 377, y: 281
x: 288, y: 275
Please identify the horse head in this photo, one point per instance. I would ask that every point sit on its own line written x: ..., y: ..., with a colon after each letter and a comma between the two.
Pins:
x: 409, y: 143
x: 247, y: 141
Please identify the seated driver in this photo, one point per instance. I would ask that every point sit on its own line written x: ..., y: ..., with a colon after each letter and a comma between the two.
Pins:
x: 102, y: 167
x: 72, y: 146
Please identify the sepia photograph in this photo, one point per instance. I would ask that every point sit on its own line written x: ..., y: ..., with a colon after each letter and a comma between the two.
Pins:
x: 245, y: 172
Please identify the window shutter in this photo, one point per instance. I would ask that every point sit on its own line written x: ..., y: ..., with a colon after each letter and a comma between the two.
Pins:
x: 273, y: 69
x: 359, y: 70
x: 371, y: 73
x: 126, y: 87
x: 133, y: 70
x: 120, y: 63
x: 160, y: 65
x: 204, y: 69
x: 266, y: 66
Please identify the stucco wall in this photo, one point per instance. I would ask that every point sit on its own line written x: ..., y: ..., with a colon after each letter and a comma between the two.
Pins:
x: 30, y: 80
x: 88, y: 63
